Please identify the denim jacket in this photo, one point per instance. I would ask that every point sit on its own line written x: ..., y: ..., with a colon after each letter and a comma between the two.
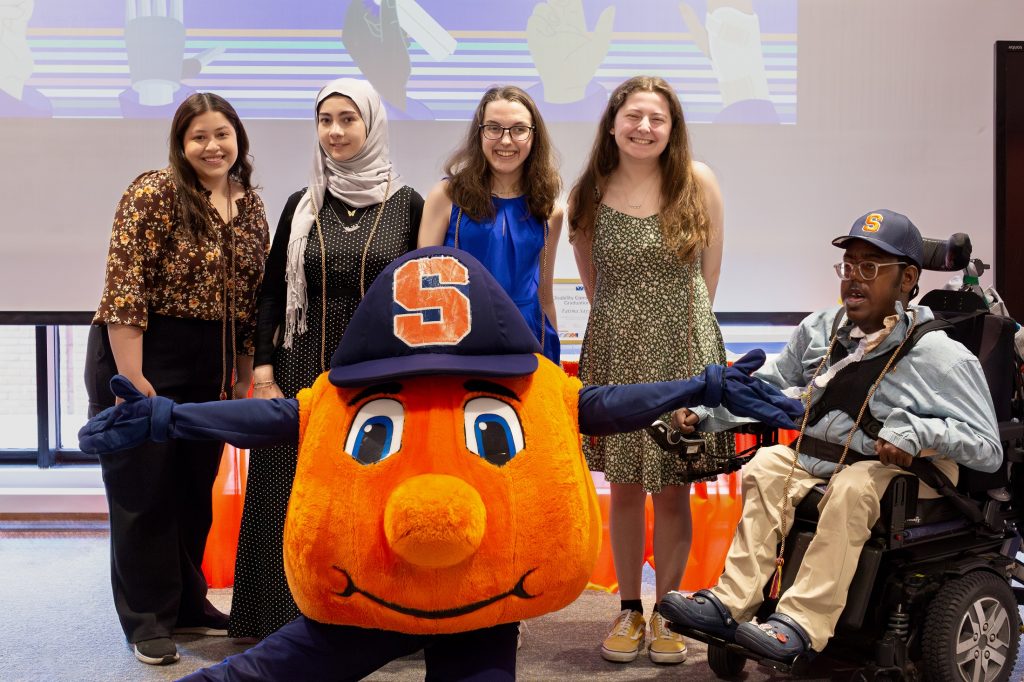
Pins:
x: 935, y: 398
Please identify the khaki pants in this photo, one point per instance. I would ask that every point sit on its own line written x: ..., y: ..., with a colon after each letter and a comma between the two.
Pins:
x: 847, y: 513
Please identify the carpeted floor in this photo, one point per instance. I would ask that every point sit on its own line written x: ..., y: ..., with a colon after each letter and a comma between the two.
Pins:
x: 57, y: 623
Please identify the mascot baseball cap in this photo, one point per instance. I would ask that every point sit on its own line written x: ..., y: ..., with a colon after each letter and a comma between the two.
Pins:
x: 434, y: 311
x: 890, y: 231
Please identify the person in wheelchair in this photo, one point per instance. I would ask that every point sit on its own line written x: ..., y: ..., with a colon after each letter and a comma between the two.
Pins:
x: 881, y: 387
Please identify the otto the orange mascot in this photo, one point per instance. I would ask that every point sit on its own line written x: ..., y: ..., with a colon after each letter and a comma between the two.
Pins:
x: 441, y: 495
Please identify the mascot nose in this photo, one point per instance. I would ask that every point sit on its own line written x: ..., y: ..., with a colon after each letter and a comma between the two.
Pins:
x: 434, y: 520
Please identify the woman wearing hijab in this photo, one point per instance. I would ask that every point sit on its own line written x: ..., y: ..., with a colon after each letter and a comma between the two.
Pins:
x: 333, y: 239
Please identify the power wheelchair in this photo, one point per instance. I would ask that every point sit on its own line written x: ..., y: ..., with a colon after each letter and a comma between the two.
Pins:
x: 936, y: 592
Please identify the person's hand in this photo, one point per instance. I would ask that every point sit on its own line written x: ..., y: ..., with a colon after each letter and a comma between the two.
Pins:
x: 684, y: 421
x: 139, y: 384
x: 379, y: 48
x: 266, y: 391
x: 16, y: 63
x: 565, y: 54
x: 156, y: 51
x: 890, y: 454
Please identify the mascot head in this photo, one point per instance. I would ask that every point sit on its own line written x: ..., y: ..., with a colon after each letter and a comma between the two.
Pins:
x: 440, y: 484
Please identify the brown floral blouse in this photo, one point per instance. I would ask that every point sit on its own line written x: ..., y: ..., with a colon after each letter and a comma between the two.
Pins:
x: 155, y: 264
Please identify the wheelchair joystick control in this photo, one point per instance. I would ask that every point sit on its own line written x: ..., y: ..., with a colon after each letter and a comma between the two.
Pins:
x: 670, y: 440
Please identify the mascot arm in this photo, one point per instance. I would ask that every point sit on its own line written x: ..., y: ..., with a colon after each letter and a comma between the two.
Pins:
x: 604, y: 410
x: 243, y: 423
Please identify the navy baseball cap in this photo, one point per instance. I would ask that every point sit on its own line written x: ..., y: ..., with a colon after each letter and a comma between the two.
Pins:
x: 434, y: 311
x: 889, y: 231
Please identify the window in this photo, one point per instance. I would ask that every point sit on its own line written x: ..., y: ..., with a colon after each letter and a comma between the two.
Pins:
x: 18, y: 409
x: 72, y: 399
x: 42, y: 393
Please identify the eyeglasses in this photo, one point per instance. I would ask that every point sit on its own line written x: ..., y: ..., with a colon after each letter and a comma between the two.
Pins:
x: 493, y: 131
x: 867, y: 269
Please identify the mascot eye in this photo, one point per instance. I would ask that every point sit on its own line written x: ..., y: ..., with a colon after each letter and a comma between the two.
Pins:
x: 376, y: 431
x: 493, y: 430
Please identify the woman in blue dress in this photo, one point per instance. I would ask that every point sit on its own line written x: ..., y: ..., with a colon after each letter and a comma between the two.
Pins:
x: 498, y: 203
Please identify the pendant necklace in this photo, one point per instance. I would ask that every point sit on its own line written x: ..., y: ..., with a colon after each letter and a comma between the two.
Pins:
x: 643, y: 201
x: 348, y: 228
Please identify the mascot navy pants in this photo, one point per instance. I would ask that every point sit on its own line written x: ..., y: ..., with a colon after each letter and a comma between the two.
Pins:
x: 307, y: 650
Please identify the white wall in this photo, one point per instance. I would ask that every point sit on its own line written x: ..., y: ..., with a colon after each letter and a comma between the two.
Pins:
x: 894, y: 111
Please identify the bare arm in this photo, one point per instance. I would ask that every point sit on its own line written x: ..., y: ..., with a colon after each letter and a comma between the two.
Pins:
x: 711, y: 257
x: 547, y: 275
x: 437, y: 211
x: 126, y: 344
x: 243, y: 365
x: 581, y: 249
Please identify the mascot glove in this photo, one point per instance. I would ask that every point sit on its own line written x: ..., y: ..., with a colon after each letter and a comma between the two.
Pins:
x: 137, y: 420
x: 748, y: 396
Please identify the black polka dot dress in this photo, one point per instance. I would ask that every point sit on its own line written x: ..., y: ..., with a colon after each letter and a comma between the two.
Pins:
x: 262, y: 601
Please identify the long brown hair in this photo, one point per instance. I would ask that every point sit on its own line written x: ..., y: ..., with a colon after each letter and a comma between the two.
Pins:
x: 685, y: 225
x: 469, y: 175
x: 193, y: 207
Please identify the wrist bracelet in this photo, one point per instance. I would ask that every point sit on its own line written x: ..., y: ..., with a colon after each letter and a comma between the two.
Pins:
x: 263, y: 384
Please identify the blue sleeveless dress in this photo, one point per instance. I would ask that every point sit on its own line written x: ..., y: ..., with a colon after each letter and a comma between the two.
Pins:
x: 509, y: 246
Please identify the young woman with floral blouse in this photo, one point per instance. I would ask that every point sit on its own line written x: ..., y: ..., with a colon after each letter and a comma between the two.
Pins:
x: 177, y: 318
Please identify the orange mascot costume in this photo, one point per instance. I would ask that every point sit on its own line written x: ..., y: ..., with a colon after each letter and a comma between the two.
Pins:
x: 441, y: 495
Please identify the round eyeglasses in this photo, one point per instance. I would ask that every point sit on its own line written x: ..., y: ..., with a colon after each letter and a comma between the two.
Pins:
x: 866, y: 269
x: 493, y: 131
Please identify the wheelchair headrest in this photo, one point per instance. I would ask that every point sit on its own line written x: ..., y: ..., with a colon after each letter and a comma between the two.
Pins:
x: 947, y: 255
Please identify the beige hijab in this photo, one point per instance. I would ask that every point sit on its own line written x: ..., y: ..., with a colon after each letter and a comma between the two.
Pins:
x: 360, y: 181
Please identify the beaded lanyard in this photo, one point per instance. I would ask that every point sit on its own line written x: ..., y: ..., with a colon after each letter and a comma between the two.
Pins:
x: 224, y: 382
x: 776, y: 586
x: 362, y: 268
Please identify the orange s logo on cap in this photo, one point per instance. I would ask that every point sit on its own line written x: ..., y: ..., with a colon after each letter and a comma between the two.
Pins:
x: 873, y: 222
x: 448, y: 304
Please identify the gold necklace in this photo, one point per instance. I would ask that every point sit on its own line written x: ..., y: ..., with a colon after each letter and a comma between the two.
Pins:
x: 348, y: 228
x: 507, y: 193
x: 643, y: 201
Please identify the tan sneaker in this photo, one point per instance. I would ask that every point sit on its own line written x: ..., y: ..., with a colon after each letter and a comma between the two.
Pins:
x: 626, y: 637
x: 666, y: 647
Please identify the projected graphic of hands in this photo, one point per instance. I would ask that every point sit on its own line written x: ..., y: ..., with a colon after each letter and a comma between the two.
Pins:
x: 154, y: 35
x: 730, y: 37
x: 379, y: 47
x: 16, y: 63
x: 566, y: 55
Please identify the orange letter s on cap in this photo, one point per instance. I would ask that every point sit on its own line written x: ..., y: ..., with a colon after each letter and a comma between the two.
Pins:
x: 873, y: 222
x: 409, y: 292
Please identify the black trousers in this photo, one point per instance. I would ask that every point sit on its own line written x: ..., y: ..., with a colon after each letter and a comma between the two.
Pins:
x: 159, y: 494
x: 307, y: 650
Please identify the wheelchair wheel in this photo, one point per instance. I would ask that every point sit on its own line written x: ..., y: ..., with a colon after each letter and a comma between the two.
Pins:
x: 725, y: 663
x: 971, y: 630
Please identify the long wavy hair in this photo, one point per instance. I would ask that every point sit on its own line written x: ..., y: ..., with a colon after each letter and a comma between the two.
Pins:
x: 193, y: 206
x: 469, y: 175
x: 685, y: 225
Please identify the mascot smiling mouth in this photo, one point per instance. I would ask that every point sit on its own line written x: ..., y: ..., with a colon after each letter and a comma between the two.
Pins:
x: 518, y: 591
